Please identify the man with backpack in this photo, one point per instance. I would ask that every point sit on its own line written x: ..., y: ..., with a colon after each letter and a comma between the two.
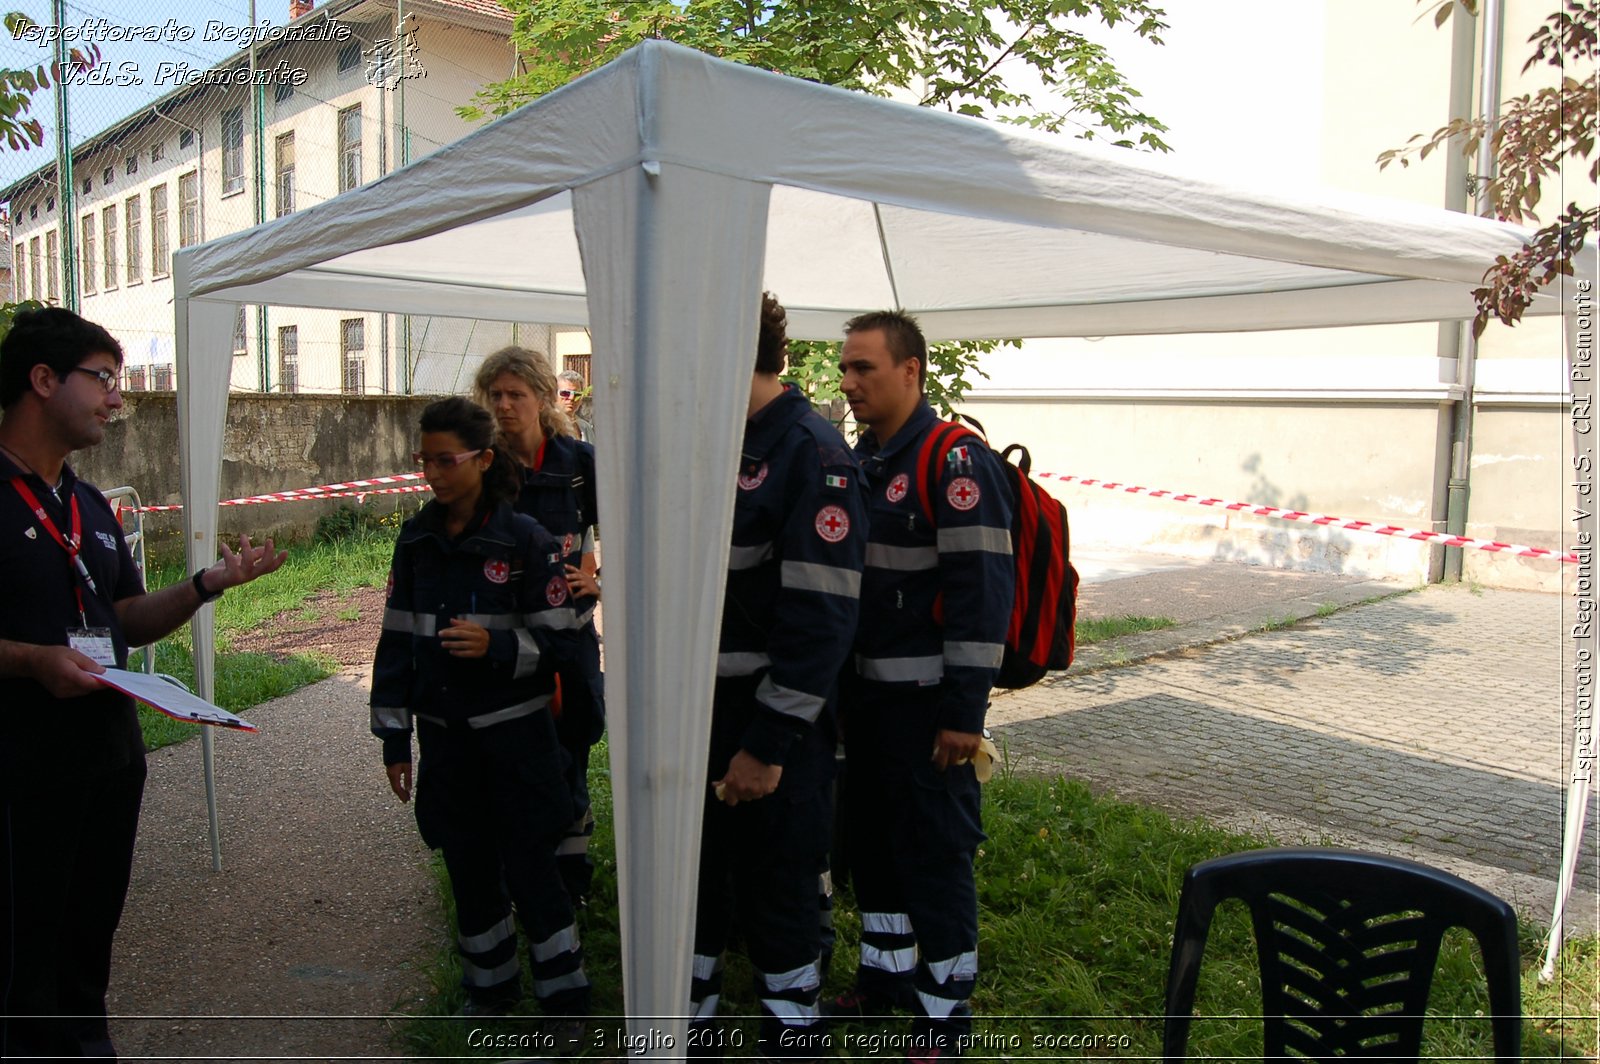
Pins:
x: 936, y: 598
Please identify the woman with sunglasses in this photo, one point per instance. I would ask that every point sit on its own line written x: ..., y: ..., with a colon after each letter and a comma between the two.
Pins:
x: 557, y: 488
x: 477, y: 620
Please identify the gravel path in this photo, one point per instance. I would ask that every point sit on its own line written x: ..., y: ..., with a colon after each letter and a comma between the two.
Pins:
x: 322, y: 918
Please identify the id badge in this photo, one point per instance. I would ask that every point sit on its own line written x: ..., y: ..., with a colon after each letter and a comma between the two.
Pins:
x: 94, y: 644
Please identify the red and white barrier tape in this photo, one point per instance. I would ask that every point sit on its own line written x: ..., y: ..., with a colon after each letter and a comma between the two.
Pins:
x: 1443, y: 538
x: 347, y: 490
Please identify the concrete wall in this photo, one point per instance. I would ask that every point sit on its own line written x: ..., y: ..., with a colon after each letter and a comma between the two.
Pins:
x: 271, y: 443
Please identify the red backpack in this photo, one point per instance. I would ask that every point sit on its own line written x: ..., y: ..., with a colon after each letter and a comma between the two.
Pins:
x: 1043, y: 613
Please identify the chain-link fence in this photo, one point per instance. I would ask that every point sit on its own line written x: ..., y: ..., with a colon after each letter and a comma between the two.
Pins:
x: 216, y: 115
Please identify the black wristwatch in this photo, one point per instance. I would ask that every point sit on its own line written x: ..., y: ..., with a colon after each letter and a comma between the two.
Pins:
x: 200, y: 588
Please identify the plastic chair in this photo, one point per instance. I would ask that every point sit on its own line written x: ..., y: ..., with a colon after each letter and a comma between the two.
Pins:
x: 1347, y: 943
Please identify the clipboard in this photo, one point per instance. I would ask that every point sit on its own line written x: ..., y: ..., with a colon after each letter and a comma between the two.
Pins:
x: 176, y: 702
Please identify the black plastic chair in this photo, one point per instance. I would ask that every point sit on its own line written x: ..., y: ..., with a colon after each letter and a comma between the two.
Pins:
x: 1347, y: 943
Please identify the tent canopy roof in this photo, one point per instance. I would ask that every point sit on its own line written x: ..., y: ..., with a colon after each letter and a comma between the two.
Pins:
x: 982, y: 230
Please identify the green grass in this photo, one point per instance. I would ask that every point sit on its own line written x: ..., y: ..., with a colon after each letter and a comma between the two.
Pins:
x: 1077, y: 897
x: 246, y: 679
x: 1100, y: 629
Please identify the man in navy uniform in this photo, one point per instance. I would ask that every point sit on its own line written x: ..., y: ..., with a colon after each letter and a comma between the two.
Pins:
x: 789, y: 615
x: 72, y: 763
x: 935, y: 606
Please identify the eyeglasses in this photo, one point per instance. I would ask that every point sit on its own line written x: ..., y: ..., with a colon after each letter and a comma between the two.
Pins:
x: 567, y: 393
x: 442, y: 461
x: 109, y: 379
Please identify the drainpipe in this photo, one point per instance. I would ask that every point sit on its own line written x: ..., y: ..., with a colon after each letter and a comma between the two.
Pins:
x: 68, y: 223
x: 1466, y: 366
x: 258, y: 109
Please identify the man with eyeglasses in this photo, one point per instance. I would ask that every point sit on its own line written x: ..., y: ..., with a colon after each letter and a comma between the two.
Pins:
x: 569, y: 391
x: 72, y: 765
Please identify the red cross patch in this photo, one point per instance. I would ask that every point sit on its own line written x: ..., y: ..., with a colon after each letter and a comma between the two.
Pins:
x: 963, y: 493
x: 833, y: 524
x: 496, y: 572
x: 555, y: 592
x: 897, y: 488
x: 752, y: 481
x: 566, y: 544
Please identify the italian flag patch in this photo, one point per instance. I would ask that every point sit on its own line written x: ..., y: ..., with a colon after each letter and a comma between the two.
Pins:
x: 836, y: 482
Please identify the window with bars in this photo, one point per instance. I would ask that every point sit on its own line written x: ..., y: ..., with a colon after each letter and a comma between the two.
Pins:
x: 161, y: 377
x: 33, y: 267
x: 89, y: 262
x: 289, y: 358
x: 108, y: 234
x: 232, y: 150
x: 284, y: 154
x: 136, y: 379
x: 189, y: 208
x: 52, y: 267
x: 353, y: 353
x: 132, y: 221
x: 240, y: 341
x: 160, y: 239
x: 19, y: 270
x: 349, y: 148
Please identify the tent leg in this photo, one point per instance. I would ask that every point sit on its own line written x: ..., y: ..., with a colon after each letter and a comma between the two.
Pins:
x: 1571, y: 845
x: 207, y: 760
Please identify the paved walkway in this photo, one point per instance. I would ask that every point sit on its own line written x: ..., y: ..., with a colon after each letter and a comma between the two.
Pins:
x: 1429, y: 724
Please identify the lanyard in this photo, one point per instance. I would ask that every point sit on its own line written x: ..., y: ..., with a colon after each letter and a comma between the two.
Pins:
x: 73, y: 547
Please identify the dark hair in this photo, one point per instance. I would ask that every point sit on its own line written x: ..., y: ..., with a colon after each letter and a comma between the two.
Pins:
x: 772, y: 342
x: 49, y: 336
x: 474, y: 426
x: 901, y: 334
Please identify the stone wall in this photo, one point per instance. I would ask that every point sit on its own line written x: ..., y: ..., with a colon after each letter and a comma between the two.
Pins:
x: 271, y: 443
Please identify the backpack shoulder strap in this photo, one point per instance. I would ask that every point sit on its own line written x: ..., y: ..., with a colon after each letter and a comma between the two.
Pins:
x: 932, y: 455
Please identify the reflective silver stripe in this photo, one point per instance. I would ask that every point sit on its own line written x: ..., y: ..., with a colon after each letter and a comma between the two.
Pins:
x: 961, y: 966
x: 488, y: 940
x: 898, y: 961
x: 588, y: 541
x: 937, y: 1008
x: 500, y: 716
x: 572, y: 846
x: 563, y: 941
x: 563, y: 619
x: 473, y: 975
x: 805, y: 977
x: 749, y: 557
x: 741, y: 663
x: 391, y: 717
x: 975, y: 655
x: 977, y: 537
x: 886, y: 923
x: 493, y: 621
x: 828, y: 579
x: 398, y: 620
x: 440, y: 721
x: 586, y: 617
x: 527, y: 655
x: 903, y: 559
x: 789, y: 702
x: 543, y: 988
x: 900, y: 670
x: 706, y: 1009
x: 706, y: 966
x: 790, y: 1013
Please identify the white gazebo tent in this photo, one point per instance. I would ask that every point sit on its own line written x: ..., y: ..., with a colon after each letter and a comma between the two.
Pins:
x: 652, y: 201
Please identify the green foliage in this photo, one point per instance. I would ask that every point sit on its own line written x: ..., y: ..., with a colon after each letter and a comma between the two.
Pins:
x: 1100, y: 629
x: 17, y: 87
x: 813, y: 365
x: 9, y: 312
x: 1534, y: 134
x: 349, y: 521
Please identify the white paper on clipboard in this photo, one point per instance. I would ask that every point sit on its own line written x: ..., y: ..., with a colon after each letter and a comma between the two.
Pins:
x: 170, y: 699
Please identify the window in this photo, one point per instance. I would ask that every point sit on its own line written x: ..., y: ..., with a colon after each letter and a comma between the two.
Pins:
x: 282, y: 92
x: 33, y: 268
x: 185, y: 137
x: 349, y: 148
x: 88, y: 183
x: 136, y: 379
x: 289, y: 358
x: 285, y: 164
x: 132, y: 221
x: 130, y: 165
x: 108, y: 234
x: 89, y: 264
x: 189, y: 209
x: 105, y: 176
x: 157, y: 150
x: 353, y: 353
x: 160, y: 248
x: 19, y: 270
x: 49, y: 205
x: 349, y: 57
x: 240, y: 342
x: 33, y: 211
x: 52, y: 267
x: 232, y: 150
x: 161, y: 377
